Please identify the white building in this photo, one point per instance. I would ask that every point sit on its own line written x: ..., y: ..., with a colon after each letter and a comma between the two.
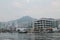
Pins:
x: 45, y: 23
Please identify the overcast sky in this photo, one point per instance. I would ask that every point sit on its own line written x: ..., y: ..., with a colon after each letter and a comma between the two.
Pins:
x: 14, y: 9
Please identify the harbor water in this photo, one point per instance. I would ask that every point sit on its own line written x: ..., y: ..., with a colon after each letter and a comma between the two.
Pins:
x: 29, y: 36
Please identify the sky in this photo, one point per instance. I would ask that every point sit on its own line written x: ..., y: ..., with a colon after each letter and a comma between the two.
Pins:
x: 15, y: 9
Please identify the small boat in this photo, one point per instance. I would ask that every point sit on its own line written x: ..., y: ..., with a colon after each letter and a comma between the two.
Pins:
x: 23, y: 32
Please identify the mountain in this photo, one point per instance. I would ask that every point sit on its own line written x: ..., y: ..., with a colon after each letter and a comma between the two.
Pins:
x: 25, y: 19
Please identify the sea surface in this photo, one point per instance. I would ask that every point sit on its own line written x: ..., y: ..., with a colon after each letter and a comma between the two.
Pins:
x: 29, y: 36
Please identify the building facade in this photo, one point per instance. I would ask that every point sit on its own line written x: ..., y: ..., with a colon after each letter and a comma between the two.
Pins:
x: 45, y: 23
x: 58, y: 20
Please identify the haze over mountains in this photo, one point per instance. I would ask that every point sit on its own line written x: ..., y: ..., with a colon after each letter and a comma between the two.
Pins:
x: 25, y: 21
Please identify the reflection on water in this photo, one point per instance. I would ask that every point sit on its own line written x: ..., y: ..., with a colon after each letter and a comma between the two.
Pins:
x: 29, y: 36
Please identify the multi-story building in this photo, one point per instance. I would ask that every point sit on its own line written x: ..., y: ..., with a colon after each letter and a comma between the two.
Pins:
x: 45, y: 23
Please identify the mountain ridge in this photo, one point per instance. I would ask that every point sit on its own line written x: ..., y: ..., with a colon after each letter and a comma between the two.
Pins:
x: 26, y: 20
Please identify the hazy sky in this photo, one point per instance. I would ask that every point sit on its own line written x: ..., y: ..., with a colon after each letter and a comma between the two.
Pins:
x: 14, y: 9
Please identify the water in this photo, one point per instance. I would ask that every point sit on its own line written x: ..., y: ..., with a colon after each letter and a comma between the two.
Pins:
x: 29, y: 36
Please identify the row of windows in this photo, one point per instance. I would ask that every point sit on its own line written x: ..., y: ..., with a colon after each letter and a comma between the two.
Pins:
x: 43, y: 22
x: 43, y: 25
